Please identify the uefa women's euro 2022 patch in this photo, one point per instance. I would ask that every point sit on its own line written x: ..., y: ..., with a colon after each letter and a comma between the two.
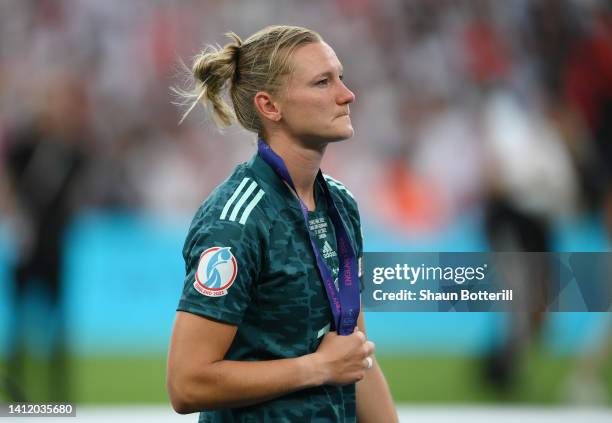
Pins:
x: 216, y: 272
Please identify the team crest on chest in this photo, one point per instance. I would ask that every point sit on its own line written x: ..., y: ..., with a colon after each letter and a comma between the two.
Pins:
x: 216, y: 272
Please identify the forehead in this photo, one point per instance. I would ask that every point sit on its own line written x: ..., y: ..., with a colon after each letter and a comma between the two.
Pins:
x: 315, y: 58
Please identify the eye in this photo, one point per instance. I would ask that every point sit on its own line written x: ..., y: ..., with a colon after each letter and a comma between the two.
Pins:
x: 341, y: 77
x: 322, y: 82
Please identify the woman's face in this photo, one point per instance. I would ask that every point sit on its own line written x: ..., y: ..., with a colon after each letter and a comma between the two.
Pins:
x: 315, y: 102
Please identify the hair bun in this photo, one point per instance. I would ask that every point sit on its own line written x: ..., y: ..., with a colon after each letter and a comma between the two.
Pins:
x: 234, y: 50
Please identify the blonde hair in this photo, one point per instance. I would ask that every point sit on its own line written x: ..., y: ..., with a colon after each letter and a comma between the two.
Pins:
x: 245, y: 67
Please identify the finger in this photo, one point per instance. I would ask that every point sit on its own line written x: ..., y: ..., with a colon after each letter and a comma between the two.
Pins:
x: 359, y: 334
x: 370, y: 347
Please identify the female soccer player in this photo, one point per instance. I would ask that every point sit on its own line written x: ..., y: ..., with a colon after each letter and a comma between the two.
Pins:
x: 268, y: 326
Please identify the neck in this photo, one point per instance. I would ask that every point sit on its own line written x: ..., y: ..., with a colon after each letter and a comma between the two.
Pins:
x: 303, y: 164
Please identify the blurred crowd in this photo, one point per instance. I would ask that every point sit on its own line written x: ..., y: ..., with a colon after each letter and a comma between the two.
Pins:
x: 500, y: 106
x: 458, y: 102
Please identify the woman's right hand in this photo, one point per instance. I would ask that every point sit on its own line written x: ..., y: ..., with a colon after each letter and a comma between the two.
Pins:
x: 343, y: 359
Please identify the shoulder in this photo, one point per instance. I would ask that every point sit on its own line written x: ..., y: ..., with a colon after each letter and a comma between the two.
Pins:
x: 237, y: 199
x: 234, y: 208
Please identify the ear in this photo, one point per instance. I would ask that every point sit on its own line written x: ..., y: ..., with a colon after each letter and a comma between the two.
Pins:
x: 267, y: 107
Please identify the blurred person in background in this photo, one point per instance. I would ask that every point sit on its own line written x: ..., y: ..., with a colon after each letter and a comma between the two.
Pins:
x: 531, y: 181
x: 586, y: 86
x: 274, y: 248
x: 586, y: 89
x: 45, y: 158
x: 544, y: 167
x: 9, y: 390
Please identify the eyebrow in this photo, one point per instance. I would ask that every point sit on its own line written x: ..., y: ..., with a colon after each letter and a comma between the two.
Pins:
x: 328, y: 73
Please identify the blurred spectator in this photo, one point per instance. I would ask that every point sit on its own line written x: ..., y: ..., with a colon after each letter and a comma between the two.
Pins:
x: 587, y: 89
x: 45, y: 158
x: 587, y: 83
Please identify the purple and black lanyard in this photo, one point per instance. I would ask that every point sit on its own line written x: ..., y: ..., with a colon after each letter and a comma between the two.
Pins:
x: 345, y: 301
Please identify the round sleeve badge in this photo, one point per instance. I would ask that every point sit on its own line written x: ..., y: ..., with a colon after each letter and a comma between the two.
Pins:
x: 216, y: 272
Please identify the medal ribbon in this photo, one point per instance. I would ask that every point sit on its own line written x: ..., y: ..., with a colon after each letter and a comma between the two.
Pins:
x: 344, y: 301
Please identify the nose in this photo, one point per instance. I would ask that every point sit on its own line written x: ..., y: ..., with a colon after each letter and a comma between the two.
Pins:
x: 345, y: 96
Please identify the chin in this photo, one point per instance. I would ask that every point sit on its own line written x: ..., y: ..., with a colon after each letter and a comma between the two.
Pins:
x: 348, y: 133
x: 342, y: 134
x: 331, y: 136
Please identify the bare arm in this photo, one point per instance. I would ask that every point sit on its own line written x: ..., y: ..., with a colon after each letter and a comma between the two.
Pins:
x: 199, y: 378
x: 374, y: 401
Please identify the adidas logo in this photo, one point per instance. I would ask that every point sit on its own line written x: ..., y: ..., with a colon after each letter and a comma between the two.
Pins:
x: 328, y: 251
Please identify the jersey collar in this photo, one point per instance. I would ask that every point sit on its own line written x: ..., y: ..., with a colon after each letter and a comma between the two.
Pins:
x: 267, y: 175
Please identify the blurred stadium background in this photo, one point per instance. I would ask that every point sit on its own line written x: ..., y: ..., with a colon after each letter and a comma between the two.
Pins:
x: 480, y: 125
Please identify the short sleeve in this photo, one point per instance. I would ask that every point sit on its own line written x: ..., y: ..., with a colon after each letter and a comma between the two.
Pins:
x: 222, y: 262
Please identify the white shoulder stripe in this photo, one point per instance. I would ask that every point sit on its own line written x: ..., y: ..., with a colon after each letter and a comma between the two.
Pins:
x: 335, y: 183
x: 329, y: 178
x: 249, y: 208
x: 233, y: 198
x: 240, y: 202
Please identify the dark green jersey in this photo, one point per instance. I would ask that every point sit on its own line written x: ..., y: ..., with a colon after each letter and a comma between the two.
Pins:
x: 249, y: 263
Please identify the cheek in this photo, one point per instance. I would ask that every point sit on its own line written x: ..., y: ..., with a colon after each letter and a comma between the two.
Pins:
x: 311, y: 106
x: 305, y: 109
x: 308, y: 102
